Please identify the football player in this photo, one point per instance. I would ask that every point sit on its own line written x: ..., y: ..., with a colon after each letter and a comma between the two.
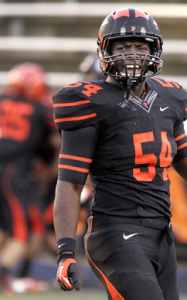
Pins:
x: 125, y: 132
x: 90, y: 68
x: 25, y: 125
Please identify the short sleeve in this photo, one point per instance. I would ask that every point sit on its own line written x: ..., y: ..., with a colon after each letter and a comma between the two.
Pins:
x: 72, y: 110
x: 76, y: 155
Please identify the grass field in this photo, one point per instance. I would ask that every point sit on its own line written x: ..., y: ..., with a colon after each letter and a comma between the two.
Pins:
x: 58, y: 295
x: 93, y: 290
x: 91, y: 295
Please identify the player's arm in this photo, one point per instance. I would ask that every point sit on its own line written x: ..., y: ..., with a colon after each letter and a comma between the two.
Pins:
x: 74, y: 162
x: 66, y: 209
x: 66, y: 216
x: 77, y: 122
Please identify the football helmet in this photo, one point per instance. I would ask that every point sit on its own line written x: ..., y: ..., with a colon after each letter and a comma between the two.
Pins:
x: 90, y: 67
x: 28, y: 80
x: 130, y: 23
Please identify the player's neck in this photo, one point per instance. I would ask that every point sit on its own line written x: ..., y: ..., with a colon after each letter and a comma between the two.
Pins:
x: 135, y: 90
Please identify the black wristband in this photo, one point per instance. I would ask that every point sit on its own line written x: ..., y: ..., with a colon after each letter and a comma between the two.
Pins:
x: 66, y: 244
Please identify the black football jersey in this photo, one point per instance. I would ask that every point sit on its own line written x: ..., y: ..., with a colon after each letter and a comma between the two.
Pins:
x: 24, y: 125
x: 125, y: 146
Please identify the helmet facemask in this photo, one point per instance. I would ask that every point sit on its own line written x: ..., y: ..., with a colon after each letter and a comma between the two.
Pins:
x: 150, y: 65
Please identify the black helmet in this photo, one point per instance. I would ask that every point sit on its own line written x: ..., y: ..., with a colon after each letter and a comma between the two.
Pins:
x: 130, y: 23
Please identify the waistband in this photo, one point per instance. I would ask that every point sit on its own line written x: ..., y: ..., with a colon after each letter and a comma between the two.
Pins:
x: 101, y: 221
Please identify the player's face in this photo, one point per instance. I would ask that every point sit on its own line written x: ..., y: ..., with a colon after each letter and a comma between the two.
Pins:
x: 130, y: 63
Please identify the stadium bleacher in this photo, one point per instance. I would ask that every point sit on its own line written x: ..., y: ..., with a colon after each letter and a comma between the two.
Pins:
x: 59, y: 34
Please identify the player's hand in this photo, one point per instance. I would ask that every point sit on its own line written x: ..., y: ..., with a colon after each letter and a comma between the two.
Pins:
x: 68, y: 274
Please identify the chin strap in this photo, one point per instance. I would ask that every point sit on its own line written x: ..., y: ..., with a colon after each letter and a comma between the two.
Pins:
x: 126, y: 103
x: 129, y: 84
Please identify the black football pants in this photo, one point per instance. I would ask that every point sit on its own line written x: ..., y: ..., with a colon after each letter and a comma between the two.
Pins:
x: 133, y: 261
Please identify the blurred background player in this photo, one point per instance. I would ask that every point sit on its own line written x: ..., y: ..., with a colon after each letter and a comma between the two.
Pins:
x: 90, y: 68
x: 44, y: 167
x: 26, y: 127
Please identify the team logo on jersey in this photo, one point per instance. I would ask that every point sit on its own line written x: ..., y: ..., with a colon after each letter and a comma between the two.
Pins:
x: 145, y: 103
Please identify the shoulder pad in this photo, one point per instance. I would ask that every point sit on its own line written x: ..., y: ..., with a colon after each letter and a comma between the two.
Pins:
x: 72, y: 107
x: 172, y: 92
x: 171, y: 87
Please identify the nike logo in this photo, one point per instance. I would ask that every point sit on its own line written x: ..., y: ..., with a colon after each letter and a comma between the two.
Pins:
x: 162, y: 109
x: 61, y: 245
x: 126, y: 237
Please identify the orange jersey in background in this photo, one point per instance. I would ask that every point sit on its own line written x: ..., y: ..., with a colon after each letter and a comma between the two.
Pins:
x: 178, y: 191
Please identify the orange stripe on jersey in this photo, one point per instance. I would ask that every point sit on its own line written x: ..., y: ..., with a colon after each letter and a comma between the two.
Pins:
x: 19, y: 228
x: 73, y: 168
x: 115, y: 295
x: 180, y: 137
x: 71, y: 104
x: 75, y: 158
x: 76, y: 118
x: 182, y: 146
x: 36, y: 219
